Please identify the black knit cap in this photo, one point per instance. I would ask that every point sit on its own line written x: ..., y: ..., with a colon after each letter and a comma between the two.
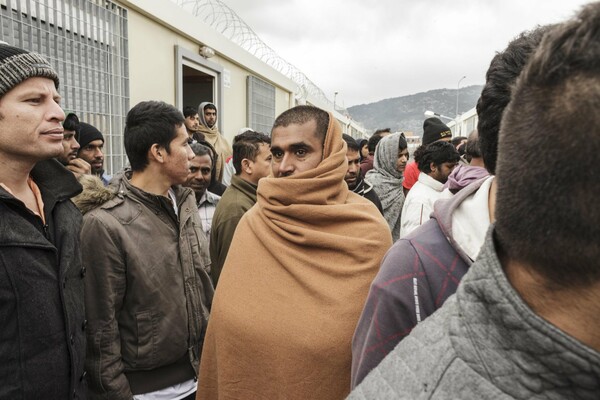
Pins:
x: 17, y: 65
x: 88, y: 133
x: 434, y: 129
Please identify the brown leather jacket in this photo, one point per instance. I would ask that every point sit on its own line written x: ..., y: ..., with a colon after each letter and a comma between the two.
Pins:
x: 148, y: 292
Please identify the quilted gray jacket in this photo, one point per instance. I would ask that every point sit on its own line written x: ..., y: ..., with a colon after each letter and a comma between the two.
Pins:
x: 485, y: 343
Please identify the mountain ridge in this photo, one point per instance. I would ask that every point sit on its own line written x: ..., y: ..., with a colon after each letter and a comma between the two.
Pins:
x: 406, y: 113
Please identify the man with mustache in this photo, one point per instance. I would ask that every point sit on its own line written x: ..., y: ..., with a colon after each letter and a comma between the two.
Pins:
x: 199, y: 179
x: 91, y: 141
x: 71, y: 146
x: 354, y: 178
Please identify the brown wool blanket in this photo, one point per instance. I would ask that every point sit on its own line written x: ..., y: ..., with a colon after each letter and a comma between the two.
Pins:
x: 293, y: 287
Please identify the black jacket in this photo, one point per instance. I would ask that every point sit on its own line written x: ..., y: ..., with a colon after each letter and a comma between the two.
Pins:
x: 42, y: 339
x: 365, y: 189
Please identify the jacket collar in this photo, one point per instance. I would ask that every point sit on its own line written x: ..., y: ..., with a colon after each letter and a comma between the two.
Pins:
x: 249, y: 189
x: 430, y: 182
x: 152, y: 201
x: 56, y: 183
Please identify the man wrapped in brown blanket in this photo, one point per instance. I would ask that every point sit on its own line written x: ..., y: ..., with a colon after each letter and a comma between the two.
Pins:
x: 297, y: 274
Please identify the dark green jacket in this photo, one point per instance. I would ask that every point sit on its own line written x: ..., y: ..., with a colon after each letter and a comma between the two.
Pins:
x: 239, y: 197
x: 42, y: 338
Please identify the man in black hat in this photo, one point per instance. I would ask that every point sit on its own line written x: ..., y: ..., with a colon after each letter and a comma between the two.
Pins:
x: 42, y: 340
x: 92, y: 143
x: 433, y: 130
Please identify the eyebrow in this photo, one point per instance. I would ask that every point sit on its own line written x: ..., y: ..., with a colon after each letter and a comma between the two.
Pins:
x: 40, y: 92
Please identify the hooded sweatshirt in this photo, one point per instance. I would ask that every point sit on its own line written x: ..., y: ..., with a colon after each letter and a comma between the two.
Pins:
x: 387, y: 182
x: 294, y: 282
x: 419, y: 273
x: 217, y: 141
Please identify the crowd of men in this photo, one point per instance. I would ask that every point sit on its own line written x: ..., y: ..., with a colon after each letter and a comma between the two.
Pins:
x: 302, y: 264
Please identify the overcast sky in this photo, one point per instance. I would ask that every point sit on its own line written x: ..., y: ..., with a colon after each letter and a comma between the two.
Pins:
x: 373, y: 50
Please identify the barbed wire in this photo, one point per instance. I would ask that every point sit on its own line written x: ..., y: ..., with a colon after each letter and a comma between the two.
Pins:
x: 224, y: 20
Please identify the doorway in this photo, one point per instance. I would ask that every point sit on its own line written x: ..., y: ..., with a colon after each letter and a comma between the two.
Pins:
x: 197, y: 87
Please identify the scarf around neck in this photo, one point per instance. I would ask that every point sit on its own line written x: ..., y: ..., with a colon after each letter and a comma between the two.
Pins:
x: 387, y: 181
x: 216, y: 140
x: 293, y: 286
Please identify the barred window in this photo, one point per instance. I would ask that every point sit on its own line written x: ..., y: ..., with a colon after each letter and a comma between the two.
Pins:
x: 86, y: 42
x: 261, y: 105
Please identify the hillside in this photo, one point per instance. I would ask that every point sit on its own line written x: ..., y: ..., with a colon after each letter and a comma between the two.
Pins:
x: 406, y: 113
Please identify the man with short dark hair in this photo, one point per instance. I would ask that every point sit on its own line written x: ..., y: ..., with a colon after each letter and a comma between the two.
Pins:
x: 207, y: 112
x: 435, y: 161
x: 148, y: 292
x: 199, y: 180
x: 42, y: 339
x: 68, y: 158
x: 192, y: 123
x: 423, y: 270
x: 91, y: 143
x: 353, y: 176
x: 296, y: 274
x: 252, y: 162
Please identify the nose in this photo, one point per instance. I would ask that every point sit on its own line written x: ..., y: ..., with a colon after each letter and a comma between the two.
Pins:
x: 75, y: 145
x: 286, y: 166
x: 190, y: 153
x: 98, y: 153
x: 55, y: 112
x: 197, y: 176
x: 353, y: 168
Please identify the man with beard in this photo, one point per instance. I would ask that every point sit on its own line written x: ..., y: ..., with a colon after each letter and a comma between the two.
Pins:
x: 69, y: 158
x: 354, y: 178
x: 435, y: 161
x: 92, y: 142
x: 199, y: 179
x: 192, y: 123
x: 208, y: 127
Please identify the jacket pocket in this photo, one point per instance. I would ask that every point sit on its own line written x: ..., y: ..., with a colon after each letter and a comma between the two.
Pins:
x: 146, y: 339
x: 199, y: 247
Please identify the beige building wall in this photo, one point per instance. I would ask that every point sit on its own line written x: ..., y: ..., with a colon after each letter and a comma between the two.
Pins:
x: 157, y: 27
x: 152, y: 59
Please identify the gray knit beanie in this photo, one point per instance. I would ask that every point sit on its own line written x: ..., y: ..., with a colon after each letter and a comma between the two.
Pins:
x: 17, y: 65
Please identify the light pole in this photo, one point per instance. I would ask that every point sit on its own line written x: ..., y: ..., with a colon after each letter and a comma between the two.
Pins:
x: 434, y: 114
x: 457, y: 92
x: 334, y: 98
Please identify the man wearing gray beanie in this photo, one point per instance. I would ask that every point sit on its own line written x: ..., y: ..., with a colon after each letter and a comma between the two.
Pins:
x: 42, y: 340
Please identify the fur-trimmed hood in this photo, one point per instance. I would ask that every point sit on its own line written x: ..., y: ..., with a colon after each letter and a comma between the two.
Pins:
x: 94, y: 193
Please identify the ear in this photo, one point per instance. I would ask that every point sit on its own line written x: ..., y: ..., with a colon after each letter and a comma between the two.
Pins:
x: 247, y: 166
x: 433, y: 167
x: 157, y: 153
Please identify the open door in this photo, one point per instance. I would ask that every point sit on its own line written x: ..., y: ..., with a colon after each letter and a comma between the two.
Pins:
x: 197, y: 87
x: 198, y: 79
